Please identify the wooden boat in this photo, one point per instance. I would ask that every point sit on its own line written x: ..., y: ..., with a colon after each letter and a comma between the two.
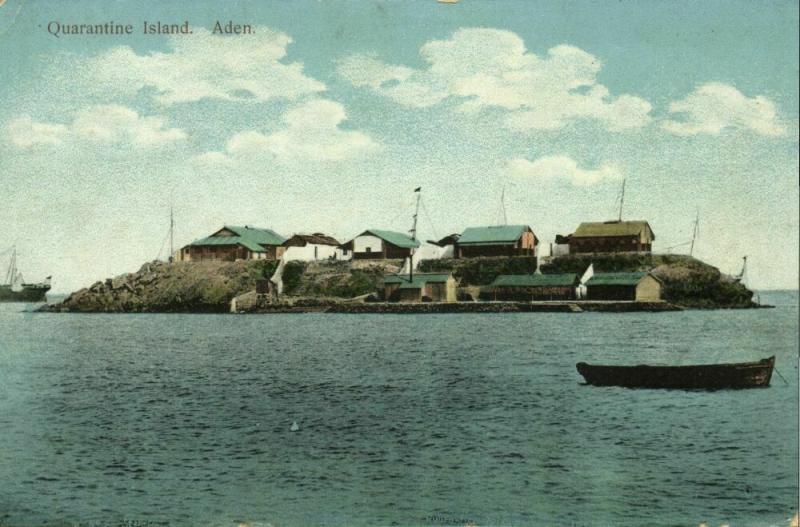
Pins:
x: 697, y: 377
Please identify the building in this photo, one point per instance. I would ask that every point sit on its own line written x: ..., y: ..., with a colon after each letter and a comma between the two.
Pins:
x: 500, y: 240
x: 612, y: 237
x: 310, y: 247
x: 421, y: 287
x: 448, y: 245
x: 236, y: 243
x: 639, y: 287
x: 374, y: 244
x: 533, y: 287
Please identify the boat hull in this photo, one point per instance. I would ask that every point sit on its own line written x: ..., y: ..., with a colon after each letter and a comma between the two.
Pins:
x: 699, y: 377
x: 28, y: 293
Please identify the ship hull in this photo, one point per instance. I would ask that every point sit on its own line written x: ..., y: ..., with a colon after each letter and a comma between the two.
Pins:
x: 28, y: 293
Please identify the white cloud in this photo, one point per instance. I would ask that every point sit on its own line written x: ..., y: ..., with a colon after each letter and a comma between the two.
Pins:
x: 311, y: 132
x: 203, y: 65
x: 557, y: 167
x: 715, y: 106
x: 98, y: 124
x: 23, y: 132
x: 491, y: 68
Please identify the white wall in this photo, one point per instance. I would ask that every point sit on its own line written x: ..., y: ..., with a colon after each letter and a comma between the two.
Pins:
x: 560, y: 249
x: 360, y: 244
x: 306, y: 254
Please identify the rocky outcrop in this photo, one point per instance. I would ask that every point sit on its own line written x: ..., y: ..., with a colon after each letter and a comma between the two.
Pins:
x: 188, y: 287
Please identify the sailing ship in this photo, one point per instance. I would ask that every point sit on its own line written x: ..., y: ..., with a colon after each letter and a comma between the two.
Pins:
x: 693, y: 377
x: 15, y: 289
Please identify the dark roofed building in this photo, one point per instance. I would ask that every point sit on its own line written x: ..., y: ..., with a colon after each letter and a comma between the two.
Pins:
x: 530, y: 287
x: 639, y: 287
x: 301, y: 240
x: 499, y: 240
x: 612, y: 237
x: 376, y: 244
x: 236, y: 243
x: 309, y: 247
x: 450, y: 239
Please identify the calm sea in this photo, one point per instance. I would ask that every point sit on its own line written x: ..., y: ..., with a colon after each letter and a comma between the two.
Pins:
x: 403, y: 420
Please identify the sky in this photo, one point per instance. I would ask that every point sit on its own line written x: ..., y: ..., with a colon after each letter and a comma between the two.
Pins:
x: 330, y: 113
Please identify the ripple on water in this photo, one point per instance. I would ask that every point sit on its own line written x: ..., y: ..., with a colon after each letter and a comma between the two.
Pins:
x: 470, y: 417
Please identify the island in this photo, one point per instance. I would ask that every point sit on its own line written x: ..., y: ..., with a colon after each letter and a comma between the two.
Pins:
x: 359, y: 286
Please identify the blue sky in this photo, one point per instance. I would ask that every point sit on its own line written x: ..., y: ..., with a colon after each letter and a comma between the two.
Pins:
x: 331, y: 113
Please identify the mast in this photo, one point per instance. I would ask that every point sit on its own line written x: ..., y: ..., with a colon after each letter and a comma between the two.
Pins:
x: 11, y: 273
x: 744, y: 269
x: 413, y: 237
x: 171, y: 234
x: 695, y: 232
x: 503, y: 204
x: 621, y: 199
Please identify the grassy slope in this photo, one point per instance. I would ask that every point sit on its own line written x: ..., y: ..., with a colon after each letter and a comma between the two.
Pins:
x: 335, y: 279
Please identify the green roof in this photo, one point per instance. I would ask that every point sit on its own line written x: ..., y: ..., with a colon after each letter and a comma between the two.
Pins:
x: 612, y: 228
x: 616, y: 278
x: 498, y: 234
x: 251, y: 238
x: 535, y: 280
x: 395, y: 238
x: 418, y: 280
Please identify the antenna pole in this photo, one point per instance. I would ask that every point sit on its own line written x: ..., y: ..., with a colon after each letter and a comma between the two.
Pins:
x: 621, y: 199
x: 695, y: 232
x: 418, y: 191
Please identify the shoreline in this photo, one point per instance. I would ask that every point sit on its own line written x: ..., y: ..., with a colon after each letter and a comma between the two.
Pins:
x: 428, y: 308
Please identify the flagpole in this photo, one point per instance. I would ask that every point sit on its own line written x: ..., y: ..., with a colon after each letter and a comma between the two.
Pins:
x: 413, y: 238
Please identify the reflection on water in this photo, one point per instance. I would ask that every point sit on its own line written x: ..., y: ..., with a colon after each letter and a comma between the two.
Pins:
x: 404, y: 419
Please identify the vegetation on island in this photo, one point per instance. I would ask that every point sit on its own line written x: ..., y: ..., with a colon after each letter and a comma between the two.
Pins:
x: 687, y: 281
x: 209, y: 286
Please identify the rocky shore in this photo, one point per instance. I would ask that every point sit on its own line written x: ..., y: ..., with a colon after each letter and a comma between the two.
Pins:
x: 355, y: 287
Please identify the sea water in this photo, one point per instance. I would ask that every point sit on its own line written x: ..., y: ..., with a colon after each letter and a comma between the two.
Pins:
x: 401, y: 420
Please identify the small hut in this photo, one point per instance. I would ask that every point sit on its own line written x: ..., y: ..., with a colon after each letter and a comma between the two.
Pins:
x: 638, y: 287
x: 533, y: 287
x: 421, y: 287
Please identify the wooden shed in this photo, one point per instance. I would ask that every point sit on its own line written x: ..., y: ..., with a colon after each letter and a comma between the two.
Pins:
x: 639, y: 287
x: 612, y: 237
x: 533, y: 287
x: 376, y: 244
x: 421, y: 287
x: 499, y: 240
x: 236, y: 243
